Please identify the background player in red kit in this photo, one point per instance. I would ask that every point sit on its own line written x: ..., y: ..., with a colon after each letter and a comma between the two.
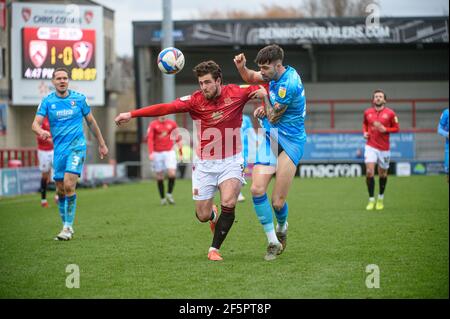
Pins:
x: 160, y: 135
x: 379, y: 122
x: 217, y: 112
x: 45, y: 157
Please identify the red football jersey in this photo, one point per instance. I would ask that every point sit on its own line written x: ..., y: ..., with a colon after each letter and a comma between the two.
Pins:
x: 388, y: 119
x: 45, y: 145
x: 158, y: 135
x: 218, y: 121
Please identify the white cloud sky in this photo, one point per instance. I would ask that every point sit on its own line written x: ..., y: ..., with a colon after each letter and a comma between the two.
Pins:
x: 127, y: 11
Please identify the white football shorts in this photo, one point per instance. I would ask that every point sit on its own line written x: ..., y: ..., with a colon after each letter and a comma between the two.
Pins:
x: 163, y: 161
x: 45, y: 161
x: 207, y: 175
x: 373, y: 155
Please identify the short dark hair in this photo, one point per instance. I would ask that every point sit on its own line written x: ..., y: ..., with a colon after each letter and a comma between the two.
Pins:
x: 269, y: 53
x: 60, y: 69
x: 379, y: 91
x: 208, y: 67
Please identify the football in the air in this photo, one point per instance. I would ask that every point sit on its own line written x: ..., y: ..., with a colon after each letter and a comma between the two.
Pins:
x: 170, y: 60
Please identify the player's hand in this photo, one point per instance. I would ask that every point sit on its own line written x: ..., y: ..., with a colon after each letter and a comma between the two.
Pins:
x: 151, y: 156
x: 240, y: 61
x: 366, y: 135
x: 45, y: 135
x: 122, y: 118
x: 259, y: 112
x: 258, y: 94
x: 103, y: 150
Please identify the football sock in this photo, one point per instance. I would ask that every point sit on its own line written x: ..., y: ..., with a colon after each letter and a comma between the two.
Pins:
x: 383, y: 181
x: 171, y: 184
x: 71, y: 208
x: 281, y: 214
x: 264, y: 214
x: 161, y: 188
x: 223, y: 226
x: 43, y: 188
x: 213, y: 215
x: 370, y: 185
x: 62, y: 208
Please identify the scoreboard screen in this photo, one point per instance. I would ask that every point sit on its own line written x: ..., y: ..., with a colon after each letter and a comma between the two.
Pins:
x: 47, y: 48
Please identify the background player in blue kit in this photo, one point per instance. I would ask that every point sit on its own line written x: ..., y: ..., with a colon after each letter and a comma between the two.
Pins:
x: 65, y: 110
x: 443, y: 130
x: 283, y: 118
x: 248, y: 140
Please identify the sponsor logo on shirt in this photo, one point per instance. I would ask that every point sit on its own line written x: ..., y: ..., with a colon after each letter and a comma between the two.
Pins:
x: 64, y: 113
x: 217, y: 115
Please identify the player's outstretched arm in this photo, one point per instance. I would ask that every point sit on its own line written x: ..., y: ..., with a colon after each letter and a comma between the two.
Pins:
x: 249, y: 76
x: 37, y: 128
x: 151, y: 111
x: 93, y: 127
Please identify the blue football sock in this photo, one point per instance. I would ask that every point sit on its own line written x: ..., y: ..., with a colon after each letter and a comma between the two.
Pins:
x: 62, y: 208
x: 264, y: 212
x: 281, y: 214
x: 70, y: 212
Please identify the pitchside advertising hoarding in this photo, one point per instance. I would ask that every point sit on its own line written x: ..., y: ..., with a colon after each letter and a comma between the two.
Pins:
x: 342, y: 155
x: 45, y: 37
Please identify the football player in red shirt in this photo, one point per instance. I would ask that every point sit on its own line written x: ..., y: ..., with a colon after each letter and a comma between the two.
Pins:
x: 217, y: 113
x: 379, y: 122
x: 160, y: 139
x: 45, y: 158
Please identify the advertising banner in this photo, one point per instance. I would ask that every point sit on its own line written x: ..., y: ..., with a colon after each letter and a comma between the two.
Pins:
x: 350, y: 146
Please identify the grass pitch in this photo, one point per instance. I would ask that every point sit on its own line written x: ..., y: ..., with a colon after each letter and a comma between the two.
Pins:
x: 127, y: 246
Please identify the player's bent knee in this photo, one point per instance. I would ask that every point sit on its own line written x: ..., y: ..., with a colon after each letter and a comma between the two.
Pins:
x: 257, y: 190
x: 202, y: 217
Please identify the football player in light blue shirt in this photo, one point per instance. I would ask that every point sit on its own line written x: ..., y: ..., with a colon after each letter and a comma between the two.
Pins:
x: 443, y: 130
x: 282, y: 117
x: 65, y: 110
x: 248, y: 140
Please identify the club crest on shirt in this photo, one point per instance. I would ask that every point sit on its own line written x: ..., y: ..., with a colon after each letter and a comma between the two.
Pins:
x: 385, y: 116
x: 227, y: 101
x: 282, y: 92
x: 72, y: 104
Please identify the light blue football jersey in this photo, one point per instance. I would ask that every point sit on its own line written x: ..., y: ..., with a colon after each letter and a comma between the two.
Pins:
x: 291, y: 134
x: 66, y: 120
x: 248, y: 137
x: 443, y: 124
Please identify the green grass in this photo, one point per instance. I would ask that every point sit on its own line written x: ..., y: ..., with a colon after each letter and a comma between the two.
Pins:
x: 127, y: 246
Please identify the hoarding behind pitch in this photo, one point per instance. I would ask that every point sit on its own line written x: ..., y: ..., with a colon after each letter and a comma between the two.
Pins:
x: 44, y: 37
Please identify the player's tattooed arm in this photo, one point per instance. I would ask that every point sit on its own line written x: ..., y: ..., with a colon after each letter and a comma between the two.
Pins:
x: 272, y: 112
x: 276, y: 112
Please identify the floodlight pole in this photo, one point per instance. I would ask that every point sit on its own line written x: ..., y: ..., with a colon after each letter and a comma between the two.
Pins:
x: 167, y: 41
